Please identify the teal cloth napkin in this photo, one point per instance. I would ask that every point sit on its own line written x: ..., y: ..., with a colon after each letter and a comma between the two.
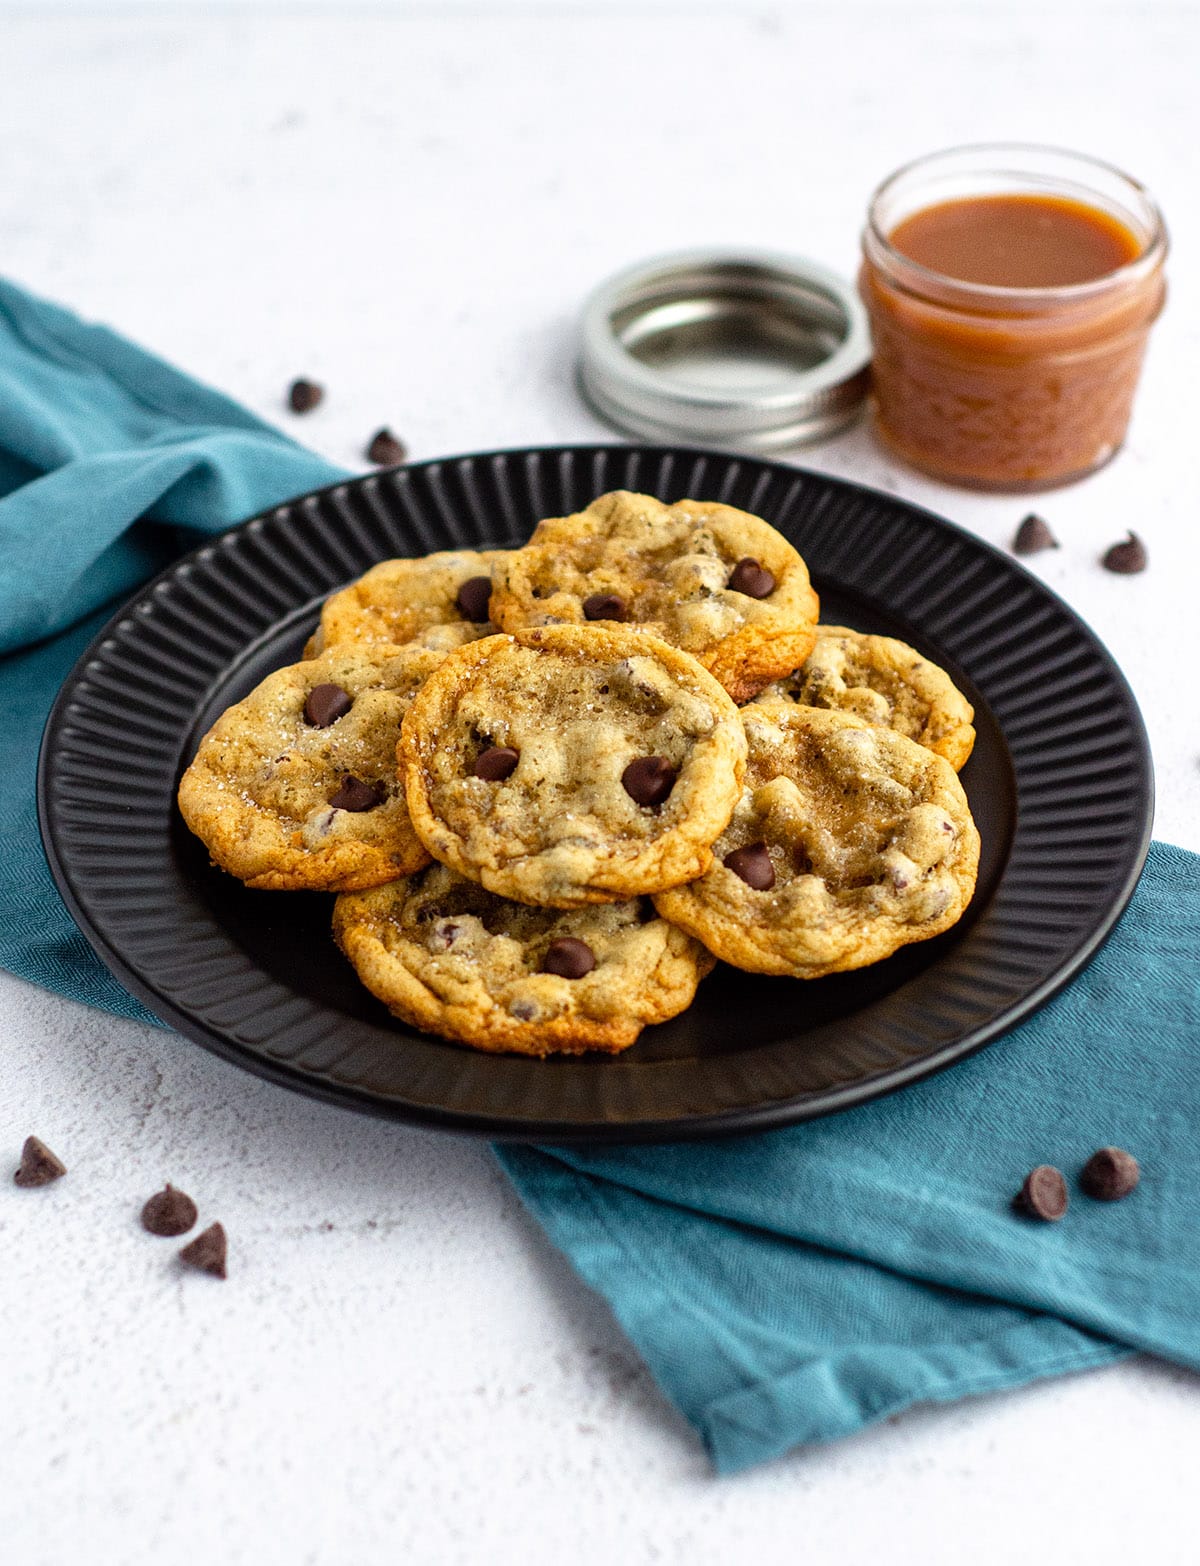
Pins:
x: 785, y: 1288
x: 798, y: 1285
x: 112, y: 463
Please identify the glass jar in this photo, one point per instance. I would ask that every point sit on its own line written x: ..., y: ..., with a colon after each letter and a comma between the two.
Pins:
x: 1003, y: 387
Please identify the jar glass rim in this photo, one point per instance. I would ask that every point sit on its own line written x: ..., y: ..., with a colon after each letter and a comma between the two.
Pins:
x: 1144, y: 262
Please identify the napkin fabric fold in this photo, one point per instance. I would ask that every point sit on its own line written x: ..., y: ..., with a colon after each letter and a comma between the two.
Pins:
x: 785, y: 1288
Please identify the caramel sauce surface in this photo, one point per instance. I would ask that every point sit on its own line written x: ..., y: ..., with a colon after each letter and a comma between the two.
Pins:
x: 1017, y: 241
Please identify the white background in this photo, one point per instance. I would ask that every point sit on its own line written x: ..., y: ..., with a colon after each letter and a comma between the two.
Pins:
x: 409, y: 203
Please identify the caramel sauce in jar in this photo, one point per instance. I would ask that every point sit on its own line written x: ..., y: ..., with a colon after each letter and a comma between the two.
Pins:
x: 1011, y: 291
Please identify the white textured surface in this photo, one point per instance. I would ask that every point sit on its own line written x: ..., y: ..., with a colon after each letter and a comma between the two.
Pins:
x: 410, y: 206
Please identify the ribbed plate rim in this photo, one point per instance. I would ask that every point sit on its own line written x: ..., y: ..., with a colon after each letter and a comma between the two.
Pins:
x: 720, y: 1122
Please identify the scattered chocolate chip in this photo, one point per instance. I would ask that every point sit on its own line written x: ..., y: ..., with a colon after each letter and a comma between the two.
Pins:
x: 473, y: 599
x: 604, y: 606
x: 496, y: 763
x: 305, y: 395
x: 649, y: 779
x: 1126, y: 558
x: 356, y: 795
x: 1033, y: 536
x: 1109, y: 1174
x: 751, y: 578
x: 1044, y: 1194
x: 385, y: 450
x: 169, y: 1212
x: 39, y: 1166
x: 753, y: 865
x: 326, y: 704
x: 207, y: 1251
x: 569, y: 958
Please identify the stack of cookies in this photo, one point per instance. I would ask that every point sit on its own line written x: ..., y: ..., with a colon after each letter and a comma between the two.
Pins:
x: 553, y: 785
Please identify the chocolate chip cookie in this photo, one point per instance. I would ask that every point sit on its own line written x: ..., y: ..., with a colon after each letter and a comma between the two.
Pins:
x: 400, y: 601
x: 454, y: 959
x: 572, y: 764
x: 848, y: 842
x: 295, y: 787
x: 886, y: 683
x: 720, y: 584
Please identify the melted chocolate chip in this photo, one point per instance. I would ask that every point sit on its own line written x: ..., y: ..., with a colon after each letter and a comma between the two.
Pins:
x: 473, y: 599
x: 1109, y: 1174
x: 38, y: 1166
x: 604, y: 606
x: 169, y: 1212
x: 569, y: 958
x: 303, y: 395
x: 753, y: 865
x: 1127, y: 558
x: 207, y: 1251
x: 356, y: 795
x: 1044, y: 1194
x: 649, y: 779
x: 1033, y: 536
x: 751, y: 578
x: 385, y: 450
x: 496, y: 763
x: 326, y: 704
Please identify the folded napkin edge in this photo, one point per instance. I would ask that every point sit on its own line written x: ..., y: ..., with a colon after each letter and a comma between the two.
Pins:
x: 743, y: 1428
x: 747, y: 1425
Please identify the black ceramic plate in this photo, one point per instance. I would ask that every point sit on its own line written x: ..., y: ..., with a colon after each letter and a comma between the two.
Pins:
x: 1060, y: 784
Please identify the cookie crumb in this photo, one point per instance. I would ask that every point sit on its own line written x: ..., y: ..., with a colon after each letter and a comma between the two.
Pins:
x: 39, y: 1166
x: 1033, y: 536
x: 385, y: 450
x: 169, y: 1212
x: 207, y: 1251
x: 1126, y: 558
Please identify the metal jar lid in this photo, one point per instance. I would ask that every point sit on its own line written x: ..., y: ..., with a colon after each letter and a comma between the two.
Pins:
x: 748, y: 349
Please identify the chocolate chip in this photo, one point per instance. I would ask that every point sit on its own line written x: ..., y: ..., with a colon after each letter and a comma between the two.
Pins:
x: 356, y: 795
x: 1109, y: 1174
x: 753, y: 865
x: 569, y: 958
x: 1033, y: 536
x: 496, y: 763
x: 385, y: 450
x: 751, y: 578
x: 326, y: 704
x: 305, y: 395
x: 1044, y: 1194
x: 207, y: 1251
x: 604, y: 606
x: 649, y: 779
x: 169, y: 1212
x: 1127, y: 558
x: 39, y: 1166
x: 473, y: 599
